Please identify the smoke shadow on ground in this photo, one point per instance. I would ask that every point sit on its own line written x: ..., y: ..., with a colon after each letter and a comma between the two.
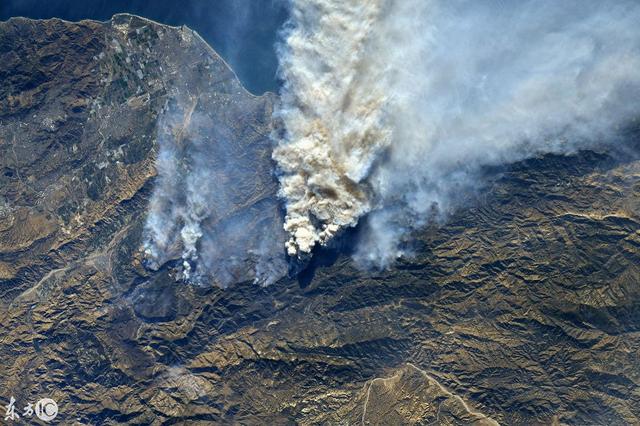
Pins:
x: 325, y: 256
x: 579, y: 164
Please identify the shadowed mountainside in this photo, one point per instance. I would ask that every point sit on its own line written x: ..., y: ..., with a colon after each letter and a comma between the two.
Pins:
x: 523, y: 309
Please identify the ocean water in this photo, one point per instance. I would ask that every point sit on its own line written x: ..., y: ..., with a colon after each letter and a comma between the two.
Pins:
x: 243, y: 32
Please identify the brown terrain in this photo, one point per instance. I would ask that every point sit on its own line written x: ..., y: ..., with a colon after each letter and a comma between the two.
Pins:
x: 523, y: 309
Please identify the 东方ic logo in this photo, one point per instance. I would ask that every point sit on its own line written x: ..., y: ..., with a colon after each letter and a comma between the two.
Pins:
x: 46, y: 409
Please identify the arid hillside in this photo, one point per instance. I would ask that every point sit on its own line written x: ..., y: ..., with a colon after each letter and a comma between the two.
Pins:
x: 523, y: 309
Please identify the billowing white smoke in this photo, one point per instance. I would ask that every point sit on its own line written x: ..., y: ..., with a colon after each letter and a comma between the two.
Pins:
x: 391, y: 108
x: 332, y: 107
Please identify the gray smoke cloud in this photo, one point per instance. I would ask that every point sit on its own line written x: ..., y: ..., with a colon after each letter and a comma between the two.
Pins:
x: 212, y: 205
x: 213, y: 217
x: 391, y: 108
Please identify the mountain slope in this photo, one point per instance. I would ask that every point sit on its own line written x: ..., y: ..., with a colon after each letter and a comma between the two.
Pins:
x: 523, y: 309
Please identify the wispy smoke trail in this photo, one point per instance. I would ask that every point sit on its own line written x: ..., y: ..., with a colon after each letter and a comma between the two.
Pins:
x: 166, y: 208
x: 213, y: 205
x: 391, y: 108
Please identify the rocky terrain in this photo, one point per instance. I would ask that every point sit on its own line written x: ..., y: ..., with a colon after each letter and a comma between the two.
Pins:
x: 523, y: 309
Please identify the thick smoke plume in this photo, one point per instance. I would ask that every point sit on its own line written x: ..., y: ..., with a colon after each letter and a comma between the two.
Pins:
x: 332, y: 107
x: 391, y: 108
